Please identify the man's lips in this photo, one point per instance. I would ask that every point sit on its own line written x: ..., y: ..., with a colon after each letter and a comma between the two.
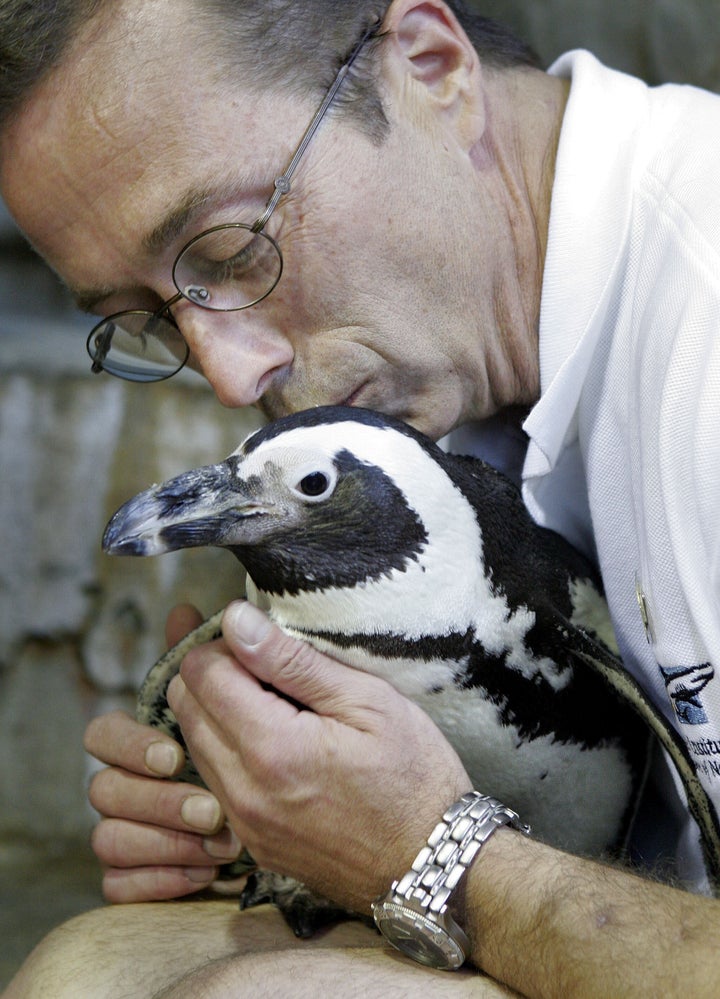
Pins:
x: 275, y: 406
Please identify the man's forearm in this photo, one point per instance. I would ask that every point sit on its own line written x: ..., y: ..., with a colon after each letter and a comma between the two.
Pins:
x: 550, y: 924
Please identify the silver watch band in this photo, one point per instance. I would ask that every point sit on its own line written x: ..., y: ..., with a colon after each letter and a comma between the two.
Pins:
x: 451, y: 848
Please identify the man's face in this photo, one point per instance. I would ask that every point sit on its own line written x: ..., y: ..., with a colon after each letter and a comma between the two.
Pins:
x: 386, y: 296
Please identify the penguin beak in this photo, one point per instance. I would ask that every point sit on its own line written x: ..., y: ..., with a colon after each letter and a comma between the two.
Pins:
x: 200, y: 507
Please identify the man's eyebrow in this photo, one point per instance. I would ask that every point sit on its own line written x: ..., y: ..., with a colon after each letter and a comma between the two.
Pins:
x: 176, y: 219
x: 86, y: 299
x: 171, y: 225
x: 179, y: 217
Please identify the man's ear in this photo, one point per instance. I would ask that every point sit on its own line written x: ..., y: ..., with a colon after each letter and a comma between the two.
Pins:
x: 429, y: 46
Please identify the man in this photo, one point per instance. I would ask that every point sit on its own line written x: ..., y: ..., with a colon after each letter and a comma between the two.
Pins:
x: 426, y: 248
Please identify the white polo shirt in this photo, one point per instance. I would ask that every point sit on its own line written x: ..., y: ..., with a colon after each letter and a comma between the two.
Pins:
x: 624, y: 452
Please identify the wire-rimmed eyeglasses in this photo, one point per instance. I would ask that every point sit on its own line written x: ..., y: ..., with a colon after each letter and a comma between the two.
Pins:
x: 225, y: 269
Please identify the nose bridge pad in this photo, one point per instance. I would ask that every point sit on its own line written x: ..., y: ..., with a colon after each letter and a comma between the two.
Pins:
x: 197, y: 294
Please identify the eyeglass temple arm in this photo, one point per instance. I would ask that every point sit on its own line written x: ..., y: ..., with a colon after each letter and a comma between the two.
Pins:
x: 282, y: 183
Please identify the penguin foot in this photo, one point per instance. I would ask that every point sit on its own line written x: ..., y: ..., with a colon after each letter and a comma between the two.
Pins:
x: 237, y: 868
x: 303, y: 911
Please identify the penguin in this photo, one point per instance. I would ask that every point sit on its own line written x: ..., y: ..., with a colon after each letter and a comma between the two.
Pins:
x: 363, y: 537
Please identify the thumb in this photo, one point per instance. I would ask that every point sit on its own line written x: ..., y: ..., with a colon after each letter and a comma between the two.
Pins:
x: 298, y: 670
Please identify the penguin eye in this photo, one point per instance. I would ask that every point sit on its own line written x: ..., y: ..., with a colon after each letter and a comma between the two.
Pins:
x: 312, y: 480
x: 314, y: 484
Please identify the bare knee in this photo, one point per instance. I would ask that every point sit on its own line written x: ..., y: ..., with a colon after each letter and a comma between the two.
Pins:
x: 62, y: 960
x: 139, y: 951
x: 349, y: 971
x: 133, y: 950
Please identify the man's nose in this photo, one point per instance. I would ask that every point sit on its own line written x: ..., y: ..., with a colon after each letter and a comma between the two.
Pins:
x: 237, y: 354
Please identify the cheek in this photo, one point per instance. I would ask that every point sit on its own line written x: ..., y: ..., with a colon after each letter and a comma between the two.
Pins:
x: 334, y: 244
x: 316, y: 284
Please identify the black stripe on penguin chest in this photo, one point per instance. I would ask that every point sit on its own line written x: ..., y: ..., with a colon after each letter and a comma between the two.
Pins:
x: 364, y: 532
x: 578, y: 709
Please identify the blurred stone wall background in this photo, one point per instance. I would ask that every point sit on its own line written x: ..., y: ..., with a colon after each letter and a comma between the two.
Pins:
x: 658, y: 40
x: 77, y: 629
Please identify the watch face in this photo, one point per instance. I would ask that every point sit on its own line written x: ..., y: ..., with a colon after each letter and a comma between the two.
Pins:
x: 419, y: 937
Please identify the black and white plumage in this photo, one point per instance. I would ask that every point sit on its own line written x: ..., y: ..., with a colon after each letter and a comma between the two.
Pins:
x: 364, y: 538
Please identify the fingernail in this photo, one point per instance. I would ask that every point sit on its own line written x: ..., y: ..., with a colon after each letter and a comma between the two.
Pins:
x: 201, y: 812
x: 162, y: 758
x: 248, y: 624
x: 200, y: 875
x: 224, y: 846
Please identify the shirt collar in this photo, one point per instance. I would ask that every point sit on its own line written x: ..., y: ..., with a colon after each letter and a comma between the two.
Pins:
x: 590, y: 213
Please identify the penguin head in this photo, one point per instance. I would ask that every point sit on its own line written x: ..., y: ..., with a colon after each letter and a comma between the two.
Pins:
x: 314, y: 500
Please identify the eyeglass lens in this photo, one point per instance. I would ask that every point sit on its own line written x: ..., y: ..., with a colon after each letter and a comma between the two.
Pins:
x: 228, y: 267
x: 138, y: 346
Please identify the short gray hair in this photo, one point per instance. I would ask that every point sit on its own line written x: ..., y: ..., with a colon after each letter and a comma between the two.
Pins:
x: 298, y: 44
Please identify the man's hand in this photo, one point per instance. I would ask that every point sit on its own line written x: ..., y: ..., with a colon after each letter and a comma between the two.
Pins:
x: 341, y: 796
x: 158, y: 839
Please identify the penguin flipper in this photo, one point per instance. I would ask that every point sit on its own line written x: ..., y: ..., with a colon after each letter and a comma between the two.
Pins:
x: 611, y: 669
x: 303, y: 910
x: 152, y: 709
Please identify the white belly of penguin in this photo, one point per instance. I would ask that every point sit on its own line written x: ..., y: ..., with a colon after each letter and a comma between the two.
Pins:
x: 573, y: 797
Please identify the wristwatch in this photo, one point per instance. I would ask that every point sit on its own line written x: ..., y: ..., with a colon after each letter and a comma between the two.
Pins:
x: 414, y: 915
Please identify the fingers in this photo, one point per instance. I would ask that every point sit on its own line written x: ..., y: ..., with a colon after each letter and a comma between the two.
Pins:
x: 114, y: 839
x: 161, y: 840
x: 154, y: 884
x: 115, y: 793
x: 158, y: 839
x: 118, y: 740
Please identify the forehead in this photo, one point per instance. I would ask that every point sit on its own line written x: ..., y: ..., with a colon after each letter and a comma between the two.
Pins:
x: 138, y: 113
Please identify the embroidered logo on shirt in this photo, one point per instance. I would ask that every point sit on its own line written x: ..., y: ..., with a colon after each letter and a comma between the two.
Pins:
x: 684, y: 685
